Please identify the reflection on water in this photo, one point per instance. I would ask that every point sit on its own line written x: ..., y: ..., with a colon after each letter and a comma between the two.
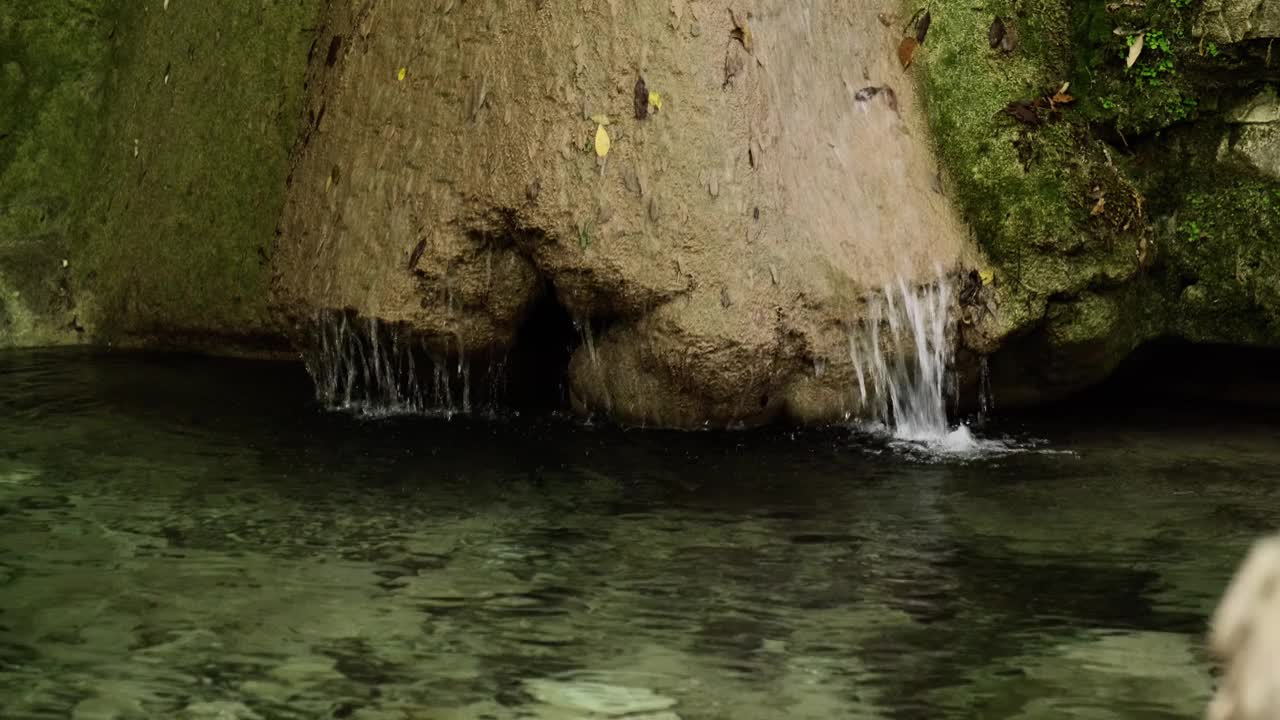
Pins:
x: 186, y: 539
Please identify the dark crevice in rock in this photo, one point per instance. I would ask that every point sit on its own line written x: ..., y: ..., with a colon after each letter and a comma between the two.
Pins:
x: 537, y: 366
x: 1174, y: 372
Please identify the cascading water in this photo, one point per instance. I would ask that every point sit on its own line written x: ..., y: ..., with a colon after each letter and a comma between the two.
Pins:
x: 377, y: 369
x: 901, y: 351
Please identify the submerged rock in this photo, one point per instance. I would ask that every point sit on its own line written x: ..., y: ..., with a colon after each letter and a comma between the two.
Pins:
x: 601, y: 699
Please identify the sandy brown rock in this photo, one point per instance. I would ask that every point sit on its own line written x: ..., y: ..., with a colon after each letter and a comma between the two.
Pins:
x: 726, y: 241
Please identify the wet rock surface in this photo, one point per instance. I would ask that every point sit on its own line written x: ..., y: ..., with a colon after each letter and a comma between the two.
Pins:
x: 450, y: 181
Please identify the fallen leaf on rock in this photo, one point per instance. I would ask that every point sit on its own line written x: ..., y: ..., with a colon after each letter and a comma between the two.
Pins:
x: 1061, y: 97
x: 735, y: 61
x: 602, y: 141
x: 400, y: 75
x: 922, y: 26
x: 1135, y: 50
x: 655, y: 99
x: 741, y: 32
x: 1024, y: 111
x: 641, y: 100
x: 987, y: 276
x: 416, y: 255
x: 996, y: 34
x: 907, y: 51
x: 868, y: 93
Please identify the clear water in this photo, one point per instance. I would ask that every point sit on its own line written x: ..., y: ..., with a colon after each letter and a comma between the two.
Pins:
x: 189, y: 539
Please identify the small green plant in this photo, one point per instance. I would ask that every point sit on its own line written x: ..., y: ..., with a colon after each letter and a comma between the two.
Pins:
x: 1211, y: 49
x: 1157, y: 59
x: 1109, y: 103
x: 1191, y: 230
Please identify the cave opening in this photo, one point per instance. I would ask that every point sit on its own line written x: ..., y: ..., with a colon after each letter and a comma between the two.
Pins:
x: 536, y: 368
x: 1176, y: 375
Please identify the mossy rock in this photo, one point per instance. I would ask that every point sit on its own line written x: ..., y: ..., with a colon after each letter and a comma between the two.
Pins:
x: 1084, y: 210
x: 143, y: 158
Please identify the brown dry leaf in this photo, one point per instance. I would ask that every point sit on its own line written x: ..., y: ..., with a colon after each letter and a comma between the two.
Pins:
x: 907, y: 51
x: 996, y: 34
x: 740, y: 31
x: 1099, y: 207
x: 922, y: 27
x: 1024, y: 111
x: 735, y: 61
x: 866, y: 93
x: 1010, y: 39
x: 891, y: 98
x: 1135, y: 50
x: 1061, y: 97
x: 641, y: 99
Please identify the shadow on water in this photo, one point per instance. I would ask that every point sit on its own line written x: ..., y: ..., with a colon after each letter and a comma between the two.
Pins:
x: 181, y: 537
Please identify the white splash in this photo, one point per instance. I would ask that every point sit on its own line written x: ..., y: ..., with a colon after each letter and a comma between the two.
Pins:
x: 901, y: 351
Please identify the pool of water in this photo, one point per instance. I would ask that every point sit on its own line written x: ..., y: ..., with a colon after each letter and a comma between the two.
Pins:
x: 182, y: 538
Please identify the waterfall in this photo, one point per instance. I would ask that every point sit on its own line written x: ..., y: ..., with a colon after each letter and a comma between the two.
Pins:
x: 901, y: 351
x: 378, y: 369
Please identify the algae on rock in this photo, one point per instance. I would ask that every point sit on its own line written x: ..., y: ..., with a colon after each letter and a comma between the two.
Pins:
x: 1087, y: 212
x: 143, y: 153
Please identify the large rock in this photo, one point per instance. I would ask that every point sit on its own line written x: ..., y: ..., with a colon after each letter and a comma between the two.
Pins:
x: 1230, y: 21
x: 448, y: 181
x: 1145, y: 206
x: 1256, y: 137
x: 143, y: 151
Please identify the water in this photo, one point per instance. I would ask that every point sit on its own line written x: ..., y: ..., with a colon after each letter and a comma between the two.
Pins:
x: 189, y: 539
x: 901, y: 351
x: 376, y: 369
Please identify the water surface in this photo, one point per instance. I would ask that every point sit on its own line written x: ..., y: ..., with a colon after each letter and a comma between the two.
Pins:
x: 182, y: 538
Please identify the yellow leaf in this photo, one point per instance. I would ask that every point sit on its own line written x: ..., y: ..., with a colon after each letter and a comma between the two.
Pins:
x: 602, y: 141
x: 655, y: 99
x: 328, y: 183
x: 600, y: 119
x: 400, y: 75
x: 987, y: 276
x: 1135, y: 50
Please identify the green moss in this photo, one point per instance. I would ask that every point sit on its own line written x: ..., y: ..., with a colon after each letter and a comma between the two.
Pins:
x: 52, y: 68
x: 1223, y: 260
x: 175, y: 238
x: 204, y: 107
x: 1162, y: 88
x: 1027, y: 191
